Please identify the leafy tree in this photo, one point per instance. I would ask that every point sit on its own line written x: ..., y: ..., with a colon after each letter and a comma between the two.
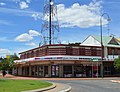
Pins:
x: 4, y: 64
x: 8, y: 63
x: 117, y: 64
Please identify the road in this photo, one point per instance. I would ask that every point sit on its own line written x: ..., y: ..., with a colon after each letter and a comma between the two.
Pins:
x: 104, y: 85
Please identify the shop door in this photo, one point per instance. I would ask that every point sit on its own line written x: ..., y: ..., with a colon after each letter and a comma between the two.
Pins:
x: 55, y: 70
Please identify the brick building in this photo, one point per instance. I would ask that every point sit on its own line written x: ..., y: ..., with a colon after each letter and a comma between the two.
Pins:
x: 69, y: 60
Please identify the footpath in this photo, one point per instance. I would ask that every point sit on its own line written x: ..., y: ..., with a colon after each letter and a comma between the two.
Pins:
x: 115, y: 81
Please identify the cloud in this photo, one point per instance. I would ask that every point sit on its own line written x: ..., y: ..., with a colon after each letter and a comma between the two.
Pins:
x: 28, y: 1
x: 2, y: 4
x: 4, y: 51
x: 64, y: 42
x: 34, y: 33
x: 17, y: 1
x: 26, y: 37
x: 19, y: 12
x: 30, y: 44
x: 36, y: 16
x: 82, y: 16
x: 23, y: 5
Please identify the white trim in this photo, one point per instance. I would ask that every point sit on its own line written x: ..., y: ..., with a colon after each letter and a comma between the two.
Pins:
x: 59, y: 57
x: 57, y: 47
x: 112, y: 57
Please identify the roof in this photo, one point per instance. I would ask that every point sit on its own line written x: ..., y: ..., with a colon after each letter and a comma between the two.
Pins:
x: 118, y: 39
x: 105, y: 39
x: 94, y: 40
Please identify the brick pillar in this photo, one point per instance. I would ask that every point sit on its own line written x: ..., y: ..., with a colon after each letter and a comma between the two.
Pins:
x: 30, y: 72
x: 49, y: 70
x: 37, y: 70
x: 72, y: 70
x: 60, y: 70
x: 20, y: 71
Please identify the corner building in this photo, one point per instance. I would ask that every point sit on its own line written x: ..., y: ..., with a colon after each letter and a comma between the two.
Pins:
x: 70, y: 60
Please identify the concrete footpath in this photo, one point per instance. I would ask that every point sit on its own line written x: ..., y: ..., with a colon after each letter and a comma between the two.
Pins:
x: 60, y: 88
x: 115, y: 81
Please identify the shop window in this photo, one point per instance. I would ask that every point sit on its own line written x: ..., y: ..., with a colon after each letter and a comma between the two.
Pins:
x: 107, y: 70
x: 67, y: 71
x: 40, y: 71
x: 113, y: 51
x: 46, y: 71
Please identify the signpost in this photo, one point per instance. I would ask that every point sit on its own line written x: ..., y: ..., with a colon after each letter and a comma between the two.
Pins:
x: 95, y: 60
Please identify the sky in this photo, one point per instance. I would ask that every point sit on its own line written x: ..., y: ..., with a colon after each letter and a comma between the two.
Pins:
x: 21, y: 22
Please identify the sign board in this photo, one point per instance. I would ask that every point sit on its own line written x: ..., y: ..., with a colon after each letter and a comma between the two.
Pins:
x: 60, y: 58
x: 95, y: 59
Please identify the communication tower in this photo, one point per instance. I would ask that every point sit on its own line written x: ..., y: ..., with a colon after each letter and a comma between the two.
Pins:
x: 50, y: 25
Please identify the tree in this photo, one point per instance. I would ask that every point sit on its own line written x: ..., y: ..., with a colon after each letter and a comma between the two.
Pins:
x: 8, y: 63
x: 4, y: 64
x: 117, y: 64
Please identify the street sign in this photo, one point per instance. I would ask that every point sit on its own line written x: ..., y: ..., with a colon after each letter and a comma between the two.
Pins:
x: 94, y: 59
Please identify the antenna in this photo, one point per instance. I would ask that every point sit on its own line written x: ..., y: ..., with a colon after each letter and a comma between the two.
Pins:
x: 50, y: 25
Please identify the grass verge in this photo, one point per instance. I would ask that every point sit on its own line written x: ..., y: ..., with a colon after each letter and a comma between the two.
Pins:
x: 7, y: 85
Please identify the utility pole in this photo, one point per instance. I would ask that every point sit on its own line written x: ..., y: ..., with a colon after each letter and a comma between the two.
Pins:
x: 102, y: 47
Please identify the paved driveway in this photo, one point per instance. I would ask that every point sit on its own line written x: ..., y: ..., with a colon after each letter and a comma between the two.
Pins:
x: 91, y: 85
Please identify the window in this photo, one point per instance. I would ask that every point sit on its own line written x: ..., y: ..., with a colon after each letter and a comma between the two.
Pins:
x: 118, y: 51
x: 113, y: 51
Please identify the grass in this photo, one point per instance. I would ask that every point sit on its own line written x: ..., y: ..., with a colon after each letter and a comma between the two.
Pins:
x: 21, y: 85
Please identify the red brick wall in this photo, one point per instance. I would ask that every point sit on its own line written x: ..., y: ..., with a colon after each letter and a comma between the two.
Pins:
x: 62, y: 50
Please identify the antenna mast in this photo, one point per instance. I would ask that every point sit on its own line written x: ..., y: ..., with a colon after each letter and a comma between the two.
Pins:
x: 50, y: 25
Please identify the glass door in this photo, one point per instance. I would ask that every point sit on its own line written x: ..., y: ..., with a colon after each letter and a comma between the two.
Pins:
x: 55, y: 70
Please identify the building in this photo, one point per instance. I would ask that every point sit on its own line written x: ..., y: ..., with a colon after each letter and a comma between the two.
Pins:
x: 70, y: 60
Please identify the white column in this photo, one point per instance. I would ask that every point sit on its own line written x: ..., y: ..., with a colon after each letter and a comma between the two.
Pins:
x: 105, y: 52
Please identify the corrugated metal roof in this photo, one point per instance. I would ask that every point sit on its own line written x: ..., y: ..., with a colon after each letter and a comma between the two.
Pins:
x: 118, y: 39
x: 105, y: 39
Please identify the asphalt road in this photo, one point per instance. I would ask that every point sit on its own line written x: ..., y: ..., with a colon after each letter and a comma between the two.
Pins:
x: 91, y: 85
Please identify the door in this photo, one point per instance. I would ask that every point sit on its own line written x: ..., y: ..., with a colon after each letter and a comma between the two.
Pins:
x: 55, y: 70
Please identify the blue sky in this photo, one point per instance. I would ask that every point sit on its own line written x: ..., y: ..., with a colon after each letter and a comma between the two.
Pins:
x: 20, y: 22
